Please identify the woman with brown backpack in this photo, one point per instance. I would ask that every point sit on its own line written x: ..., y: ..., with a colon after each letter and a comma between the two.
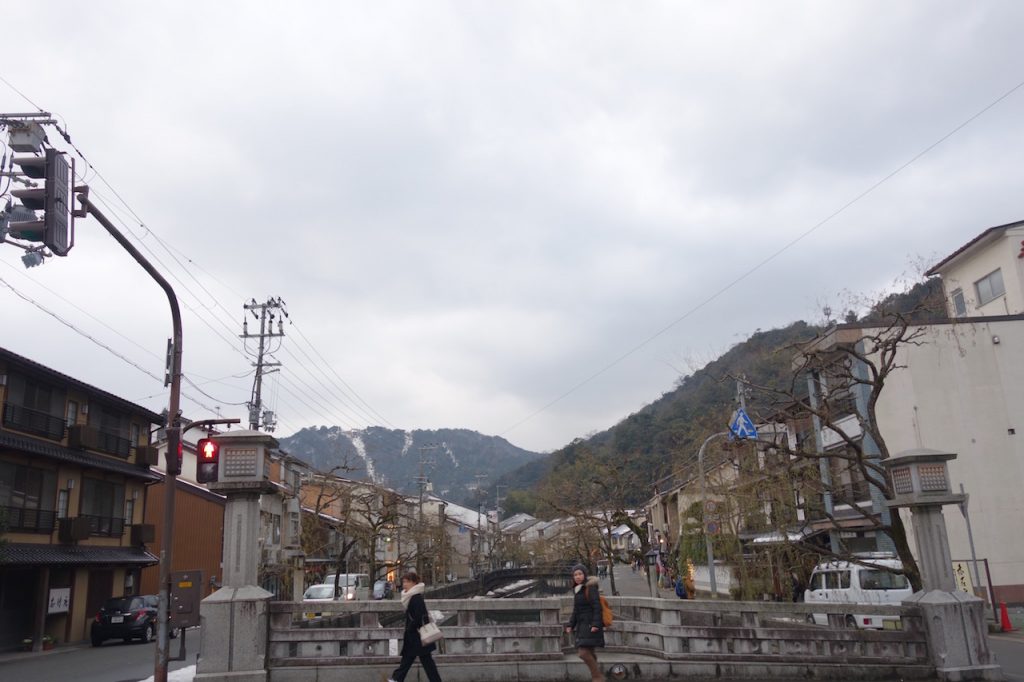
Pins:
x: 586, y: 622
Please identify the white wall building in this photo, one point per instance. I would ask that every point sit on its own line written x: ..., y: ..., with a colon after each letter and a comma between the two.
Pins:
x: 985, y: 276
x: 961, y: 389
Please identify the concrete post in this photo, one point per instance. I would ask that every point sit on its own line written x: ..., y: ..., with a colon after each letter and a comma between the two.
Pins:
x: 955, y: 625
x: 241, y: 539
x: 933, y: 553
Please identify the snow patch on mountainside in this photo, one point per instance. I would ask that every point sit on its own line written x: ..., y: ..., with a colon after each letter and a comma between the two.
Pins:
x: 356, y: 439
x: 451, y: 455
x: 408, y: 442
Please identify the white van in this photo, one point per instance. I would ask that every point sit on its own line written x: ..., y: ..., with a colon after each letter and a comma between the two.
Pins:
x: 352, y: 585
x: 845, y: 582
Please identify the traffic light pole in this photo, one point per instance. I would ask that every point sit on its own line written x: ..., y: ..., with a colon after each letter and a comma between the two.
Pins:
x: 173, y: 435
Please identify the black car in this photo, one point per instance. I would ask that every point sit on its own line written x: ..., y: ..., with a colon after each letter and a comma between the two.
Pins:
x: 124, y: 618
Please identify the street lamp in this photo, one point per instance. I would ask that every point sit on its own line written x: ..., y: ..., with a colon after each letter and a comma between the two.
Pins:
x: 652, y: 564
x: 703, y: 507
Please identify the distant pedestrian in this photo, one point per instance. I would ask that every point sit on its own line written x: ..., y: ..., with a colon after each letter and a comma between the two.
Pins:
x: 416, y: 616
x: 680, y: 586
x: 585, y: 622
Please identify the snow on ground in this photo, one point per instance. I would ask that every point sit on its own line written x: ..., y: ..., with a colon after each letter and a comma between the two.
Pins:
x: 182, y: 675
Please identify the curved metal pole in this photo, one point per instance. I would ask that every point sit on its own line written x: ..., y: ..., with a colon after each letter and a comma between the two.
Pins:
x: 703, y: 509
x: 173, y: 436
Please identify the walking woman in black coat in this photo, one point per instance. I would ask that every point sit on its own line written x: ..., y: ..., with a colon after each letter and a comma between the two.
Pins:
x: 585, y: 623
x: 415, y: 617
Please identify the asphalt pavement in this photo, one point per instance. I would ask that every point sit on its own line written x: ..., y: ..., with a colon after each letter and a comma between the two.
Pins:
x: 113, y: 662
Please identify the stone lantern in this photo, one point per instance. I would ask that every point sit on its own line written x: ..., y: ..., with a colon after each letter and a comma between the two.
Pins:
x: 920, y: 481
x: 954, y: 621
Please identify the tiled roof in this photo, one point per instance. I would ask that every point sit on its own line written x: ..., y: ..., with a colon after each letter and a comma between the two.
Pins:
x: 79, y: 457
x: 26, y: 554
x: 139, y: 410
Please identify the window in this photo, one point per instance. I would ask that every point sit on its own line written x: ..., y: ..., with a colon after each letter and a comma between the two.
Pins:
x: 133, y: 434
x: 959, y: 304
x: 71, y: 413
x: 28, y: 496
x: 114, y: 430
x: 129, y: 511
x: 830, y: 580
x: 34, y: 408
x: 882, y: 580
x: 101, y: 500
x: 990, y: 287
x: 62, y: 504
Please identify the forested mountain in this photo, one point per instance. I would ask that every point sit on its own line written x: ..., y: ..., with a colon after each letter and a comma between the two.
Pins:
x: 657, y: 439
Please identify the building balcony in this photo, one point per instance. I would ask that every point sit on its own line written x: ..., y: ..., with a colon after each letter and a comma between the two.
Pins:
x: 105, y: 526
x: 81, y: 436
x: 112, y: 444
x: 27, y: 420
x: 21, y: 520
x: 851, y: 493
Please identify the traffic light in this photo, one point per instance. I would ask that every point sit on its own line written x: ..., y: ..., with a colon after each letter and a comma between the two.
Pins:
x: 55, y: 229
x: 207, y: 460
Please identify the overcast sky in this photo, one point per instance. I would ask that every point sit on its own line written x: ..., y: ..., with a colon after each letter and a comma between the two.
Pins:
x: 472, y: 208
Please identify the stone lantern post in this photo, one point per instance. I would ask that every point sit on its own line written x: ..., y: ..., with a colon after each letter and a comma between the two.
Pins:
x: 953, y: 620
x: 235, y: 618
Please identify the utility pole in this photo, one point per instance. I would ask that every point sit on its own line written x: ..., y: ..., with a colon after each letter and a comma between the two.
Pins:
x: 478, y: 536
x: 497, y: 525
x: 422, y: 480
x: 273, y: 309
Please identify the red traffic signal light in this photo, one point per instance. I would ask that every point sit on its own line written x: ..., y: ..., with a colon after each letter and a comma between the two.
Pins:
x: 207, y: 460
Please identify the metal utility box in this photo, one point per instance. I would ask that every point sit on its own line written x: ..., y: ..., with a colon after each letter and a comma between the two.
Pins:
x: 186, y: 593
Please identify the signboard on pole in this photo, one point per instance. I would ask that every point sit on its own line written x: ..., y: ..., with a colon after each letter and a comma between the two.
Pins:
x: 742, y: 427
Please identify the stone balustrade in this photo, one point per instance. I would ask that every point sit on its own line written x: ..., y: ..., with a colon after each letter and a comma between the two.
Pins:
x: 523, y: 639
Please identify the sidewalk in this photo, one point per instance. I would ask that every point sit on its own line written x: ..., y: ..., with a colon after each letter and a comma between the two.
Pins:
x: 8, y: 656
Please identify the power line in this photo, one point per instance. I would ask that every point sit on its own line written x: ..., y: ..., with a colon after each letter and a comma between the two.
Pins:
x: 326, y: 364
x: 174, y: 255
x: 766, y: 260
x: 20, y: 93
x: 96, y: 341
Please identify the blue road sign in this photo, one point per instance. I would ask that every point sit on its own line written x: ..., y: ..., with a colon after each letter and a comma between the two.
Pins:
x: 741, y: 426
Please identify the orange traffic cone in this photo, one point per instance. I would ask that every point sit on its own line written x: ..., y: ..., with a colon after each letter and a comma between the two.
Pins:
x: 1004, y: 616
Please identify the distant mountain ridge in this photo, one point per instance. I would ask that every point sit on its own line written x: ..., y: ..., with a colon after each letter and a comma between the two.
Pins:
x: 391, y: 457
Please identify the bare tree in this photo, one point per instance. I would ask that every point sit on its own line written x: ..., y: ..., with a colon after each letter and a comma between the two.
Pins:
x: 832, y: 393
x: 595, y: 493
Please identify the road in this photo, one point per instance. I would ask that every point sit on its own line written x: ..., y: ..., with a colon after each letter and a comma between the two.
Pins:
x: 112, y: 662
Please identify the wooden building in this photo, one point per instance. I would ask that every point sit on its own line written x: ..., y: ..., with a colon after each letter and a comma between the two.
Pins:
x: 74, y: 471
x: 198, y: 532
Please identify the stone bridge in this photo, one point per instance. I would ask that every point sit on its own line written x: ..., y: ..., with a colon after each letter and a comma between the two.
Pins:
x: 652, y: 639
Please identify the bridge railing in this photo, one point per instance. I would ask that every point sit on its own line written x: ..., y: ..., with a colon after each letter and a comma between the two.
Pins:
x: 497, y: 630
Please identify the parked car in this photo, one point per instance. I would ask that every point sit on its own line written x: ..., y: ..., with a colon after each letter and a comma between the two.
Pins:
x: 323, y: 592
x: 847, y: 582
x: 125, y: 618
